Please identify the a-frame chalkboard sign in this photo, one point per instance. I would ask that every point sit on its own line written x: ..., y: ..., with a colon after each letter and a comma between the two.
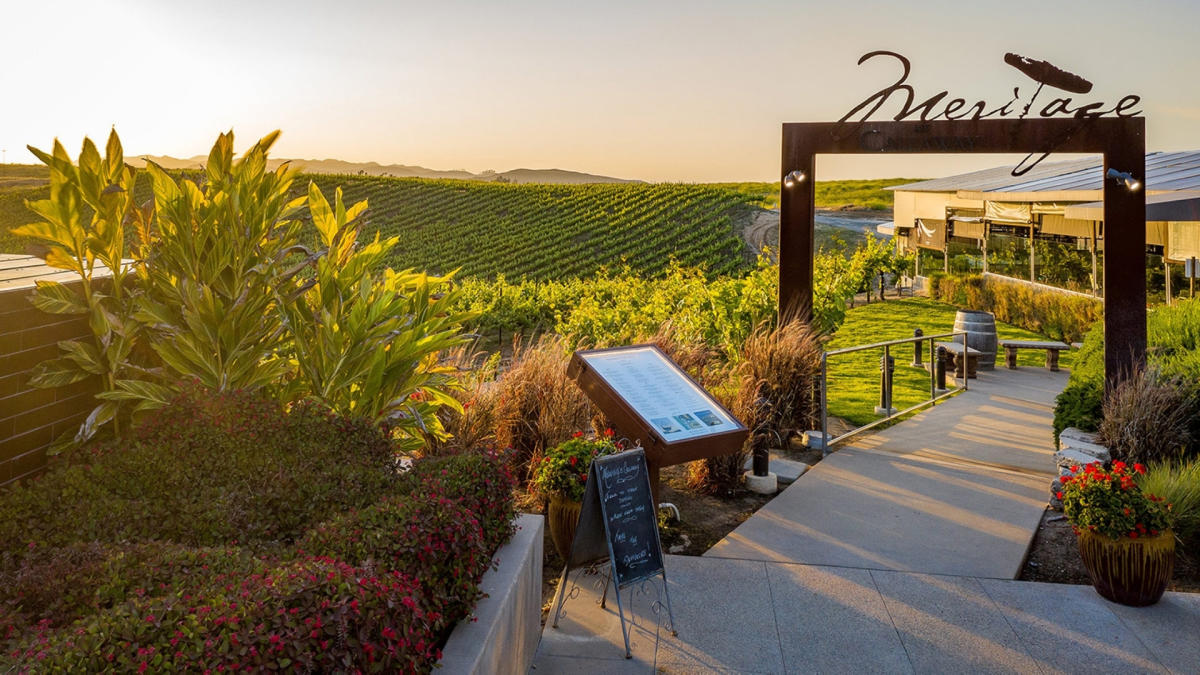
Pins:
x: 618, y: 521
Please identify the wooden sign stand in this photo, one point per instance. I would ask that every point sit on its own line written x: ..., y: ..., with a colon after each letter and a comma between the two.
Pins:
x: 618, y: 521
x: 651, y: 399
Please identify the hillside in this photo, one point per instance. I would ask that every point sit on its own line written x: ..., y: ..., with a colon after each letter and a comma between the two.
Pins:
x: 338, y: 166
x: 551, y: 231
x: 537, y: 231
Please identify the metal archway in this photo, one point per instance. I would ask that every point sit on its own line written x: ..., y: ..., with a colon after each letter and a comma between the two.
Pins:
x: 1120, y: 140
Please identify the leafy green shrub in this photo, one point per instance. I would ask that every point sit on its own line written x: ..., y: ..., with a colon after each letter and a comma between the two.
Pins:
x: 1173, y: 337
x: 82, y: 228
x: 56, y: 585
x: 1178, y: 483
x: 206, y: 471
x: 1061, y: 315
x: 367, y: 343
x: 1079, y: 405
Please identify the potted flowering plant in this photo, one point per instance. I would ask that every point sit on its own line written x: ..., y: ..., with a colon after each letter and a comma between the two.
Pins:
x: 1124, y: 534
x: 561, y: 476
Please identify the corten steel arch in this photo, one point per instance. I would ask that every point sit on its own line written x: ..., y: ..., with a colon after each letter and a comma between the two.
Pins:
x: 1121, y: 140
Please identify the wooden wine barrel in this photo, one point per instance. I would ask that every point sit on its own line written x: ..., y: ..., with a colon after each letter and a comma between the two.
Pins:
x: 981, y: 334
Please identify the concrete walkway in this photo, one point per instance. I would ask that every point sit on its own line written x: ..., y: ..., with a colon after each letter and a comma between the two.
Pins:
x: 896, y: 554
x: 958, y: 489
x: 743, y: 616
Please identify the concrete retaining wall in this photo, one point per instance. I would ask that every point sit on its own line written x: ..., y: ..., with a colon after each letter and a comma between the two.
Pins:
x: 505, y: 635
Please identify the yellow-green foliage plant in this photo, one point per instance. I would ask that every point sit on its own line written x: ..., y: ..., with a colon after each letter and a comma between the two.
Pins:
x: 83, y: 229
x: 367, y: 343
x: 217, y: 254
x: 220, y: 293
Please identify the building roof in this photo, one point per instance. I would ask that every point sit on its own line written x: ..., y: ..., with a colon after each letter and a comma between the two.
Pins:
x: 1165, y: 172
x: 1177, y: 206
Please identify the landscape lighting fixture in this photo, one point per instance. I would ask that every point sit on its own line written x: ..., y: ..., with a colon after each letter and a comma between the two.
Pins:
x: 793, y: 177
x: 1131, y: 183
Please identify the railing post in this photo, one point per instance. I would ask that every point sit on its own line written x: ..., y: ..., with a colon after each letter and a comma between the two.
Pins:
x: 886, y: 366
x: 917, y: 332
x: 966, y: 364
x: 932, y: 370
x: 825, y: 436
x: 940, y: 368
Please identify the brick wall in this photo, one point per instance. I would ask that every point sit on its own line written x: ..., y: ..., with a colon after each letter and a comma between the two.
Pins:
x: 31, y: 418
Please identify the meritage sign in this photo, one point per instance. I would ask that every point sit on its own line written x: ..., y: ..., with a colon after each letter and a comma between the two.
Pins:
x: 936, y: 107
x: 1042, y: 72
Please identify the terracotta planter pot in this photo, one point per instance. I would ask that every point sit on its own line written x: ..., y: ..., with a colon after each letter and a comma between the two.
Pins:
x: 562, y: 515
x: 1128, y: 571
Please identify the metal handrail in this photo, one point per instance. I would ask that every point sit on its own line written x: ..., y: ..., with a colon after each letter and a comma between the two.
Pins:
x: 828, y: 442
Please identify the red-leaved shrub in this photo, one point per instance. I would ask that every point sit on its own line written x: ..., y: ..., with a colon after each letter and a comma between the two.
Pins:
x: 314, y: 614
x: 482, y: 481
x: 124, y: 559
x: 436, y: 540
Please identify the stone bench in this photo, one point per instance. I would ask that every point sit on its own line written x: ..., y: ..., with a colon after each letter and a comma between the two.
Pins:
x: 1052, y: 349
x: 966, y: 359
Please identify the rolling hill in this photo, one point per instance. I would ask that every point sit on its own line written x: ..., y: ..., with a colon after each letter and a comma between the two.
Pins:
x: 338, y: 166
x: 517, y: 229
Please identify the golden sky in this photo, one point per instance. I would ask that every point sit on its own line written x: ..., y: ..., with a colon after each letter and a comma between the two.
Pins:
x: 662, y: 91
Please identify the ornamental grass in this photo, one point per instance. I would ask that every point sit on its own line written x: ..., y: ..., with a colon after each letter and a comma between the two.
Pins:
x: 537, y: 406
x: 1178, y: 482
x: 1148, y: 418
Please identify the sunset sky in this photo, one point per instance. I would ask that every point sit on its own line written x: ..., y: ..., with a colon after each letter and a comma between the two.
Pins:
x: 662, y: 91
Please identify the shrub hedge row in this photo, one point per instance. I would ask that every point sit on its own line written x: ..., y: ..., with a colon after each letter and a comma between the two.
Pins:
x: 1062, y: 316
x: 233, y: 534
x: 1173, y: 336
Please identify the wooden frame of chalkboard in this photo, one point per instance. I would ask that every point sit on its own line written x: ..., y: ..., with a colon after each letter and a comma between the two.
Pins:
x: 613, y: 399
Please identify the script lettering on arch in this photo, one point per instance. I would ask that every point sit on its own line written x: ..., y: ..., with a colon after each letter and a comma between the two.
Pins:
x: 937, y: 107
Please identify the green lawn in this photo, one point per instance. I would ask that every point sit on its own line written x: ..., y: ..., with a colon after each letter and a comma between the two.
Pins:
x: 854, y: 378
x: 831, y: 194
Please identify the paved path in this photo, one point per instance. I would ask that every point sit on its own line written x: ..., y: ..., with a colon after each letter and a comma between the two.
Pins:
x: 896, y: 554
x: 958, y: 489
x: 743, y: 616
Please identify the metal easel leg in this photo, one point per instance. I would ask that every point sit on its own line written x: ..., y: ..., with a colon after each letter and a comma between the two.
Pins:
x: 604, y: 594
x: 560, y: 596
x: 667, y: 594
x: 624, y: 629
